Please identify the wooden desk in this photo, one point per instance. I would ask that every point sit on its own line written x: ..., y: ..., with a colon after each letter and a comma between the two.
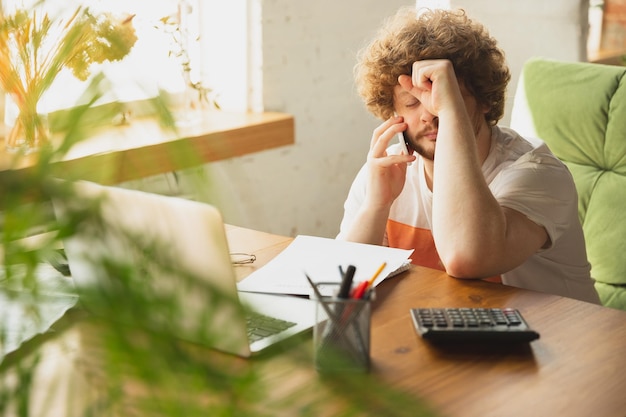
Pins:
x: 577, y: 367
x: 574, y: 369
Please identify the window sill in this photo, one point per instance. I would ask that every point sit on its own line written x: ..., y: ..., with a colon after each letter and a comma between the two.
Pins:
x: 141, y: 148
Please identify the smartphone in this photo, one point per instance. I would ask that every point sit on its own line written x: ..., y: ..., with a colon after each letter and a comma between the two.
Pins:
x: 402, y: 140
x: 403, y: 143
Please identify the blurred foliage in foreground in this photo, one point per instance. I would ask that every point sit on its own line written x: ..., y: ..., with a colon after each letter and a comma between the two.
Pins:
x: 122, y: 358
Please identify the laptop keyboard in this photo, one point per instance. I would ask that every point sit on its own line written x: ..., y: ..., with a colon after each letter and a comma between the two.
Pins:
x: 261, y: 326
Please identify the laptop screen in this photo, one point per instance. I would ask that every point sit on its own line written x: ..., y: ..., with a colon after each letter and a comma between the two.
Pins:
x: 154, y: 261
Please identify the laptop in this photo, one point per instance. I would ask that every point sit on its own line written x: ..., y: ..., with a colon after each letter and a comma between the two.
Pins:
x: 169, y: 257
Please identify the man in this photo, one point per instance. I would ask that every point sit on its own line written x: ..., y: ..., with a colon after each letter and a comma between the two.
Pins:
x: 473, y: 199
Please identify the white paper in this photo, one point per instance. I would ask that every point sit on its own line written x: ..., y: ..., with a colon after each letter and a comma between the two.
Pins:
x: 320, y: 259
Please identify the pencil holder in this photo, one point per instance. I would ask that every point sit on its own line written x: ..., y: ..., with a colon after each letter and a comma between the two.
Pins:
x: 341, y: 335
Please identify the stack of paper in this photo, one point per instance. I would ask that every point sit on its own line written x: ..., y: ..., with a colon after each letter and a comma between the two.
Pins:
x: 320, y: 258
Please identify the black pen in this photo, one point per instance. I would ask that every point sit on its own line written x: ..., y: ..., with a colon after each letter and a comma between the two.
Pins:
x: 346, y: 282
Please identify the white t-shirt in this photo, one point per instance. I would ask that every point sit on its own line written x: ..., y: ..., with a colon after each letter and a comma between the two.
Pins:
x: 523, y: 177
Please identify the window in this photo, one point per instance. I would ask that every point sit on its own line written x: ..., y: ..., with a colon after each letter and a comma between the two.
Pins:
x: 230, y: 33
x: 218, y: 45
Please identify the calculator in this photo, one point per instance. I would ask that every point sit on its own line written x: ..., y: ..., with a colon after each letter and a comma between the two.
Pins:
x: 472, y: 324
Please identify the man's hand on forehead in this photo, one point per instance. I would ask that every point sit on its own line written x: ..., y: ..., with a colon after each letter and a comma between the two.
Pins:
x: 433, y: 83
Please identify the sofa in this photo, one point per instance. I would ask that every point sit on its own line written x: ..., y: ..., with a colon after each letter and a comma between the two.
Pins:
x: 579, y: 110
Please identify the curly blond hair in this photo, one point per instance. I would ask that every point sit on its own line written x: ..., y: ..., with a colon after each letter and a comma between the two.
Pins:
x: 412, y: 35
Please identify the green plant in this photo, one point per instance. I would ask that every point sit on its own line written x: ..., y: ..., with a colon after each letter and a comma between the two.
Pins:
x: 35, y: 48
x: 179, y: 50
x: 129, y: 362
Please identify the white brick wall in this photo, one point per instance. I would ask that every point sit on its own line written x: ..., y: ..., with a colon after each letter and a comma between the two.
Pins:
x: 309, y: 50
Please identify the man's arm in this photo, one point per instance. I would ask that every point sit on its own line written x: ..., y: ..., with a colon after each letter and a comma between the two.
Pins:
x: 475, y: 237
x: 386, y: 175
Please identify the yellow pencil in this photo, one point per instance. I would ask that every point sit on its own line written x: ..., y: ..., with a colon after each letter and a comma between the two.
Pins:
x: 376, y: 274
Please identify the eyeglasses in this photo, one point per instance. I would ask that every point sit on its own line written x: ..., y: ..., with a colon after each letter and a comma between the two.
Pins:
x: 239, y: 258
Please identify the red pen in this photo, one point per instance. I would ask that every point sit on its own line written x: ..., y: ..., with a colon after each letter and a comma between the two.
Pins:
x: 359, y: 290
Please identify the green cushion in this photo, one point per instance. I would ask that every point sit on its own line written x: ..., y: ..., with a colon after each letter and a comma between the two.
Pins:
x: 579, y: 110
x: 612, y: 295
